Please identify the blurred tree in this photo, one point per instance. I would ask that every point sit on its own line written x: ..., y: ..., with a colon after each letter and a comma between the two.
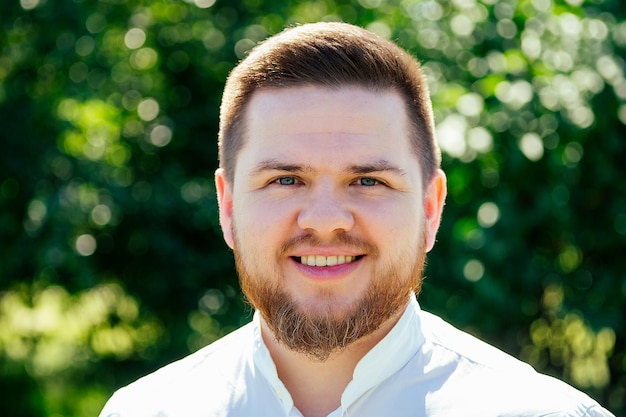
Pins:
x: 111, y: 257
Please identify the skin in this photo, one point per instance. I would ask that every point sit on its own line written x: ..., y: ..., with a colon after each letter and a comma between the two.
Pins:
x: 320, y: 163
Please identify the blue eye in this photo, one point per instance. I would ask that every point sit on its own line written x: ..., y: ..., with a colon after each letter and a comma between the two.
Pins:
x: 368, y: 182
x: 286, y: 181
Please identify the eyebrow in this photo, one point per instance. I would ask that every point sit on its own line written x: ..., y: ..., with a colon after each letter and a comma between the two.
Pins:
x: 380, y: 165
x: 276, y: 165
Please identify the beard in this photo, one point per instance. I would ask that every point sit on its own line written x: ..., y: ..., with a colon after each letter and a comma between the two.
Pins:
x: 318, y: 333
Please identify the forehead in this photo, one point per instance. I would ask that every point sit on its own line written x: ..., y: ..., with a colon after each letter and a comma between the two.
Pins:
x: 326, y: 129
x: 322, y: 116
x: 315, y: 109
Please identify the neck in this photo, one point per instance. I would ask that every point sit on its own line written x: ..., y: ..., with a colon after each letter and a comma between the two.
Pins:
x: 316, y: 386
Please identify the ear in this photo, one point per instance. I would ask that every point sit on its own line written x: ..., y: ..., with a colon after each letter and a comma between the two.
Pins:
x: 225, y: 205
x: 434, y: 200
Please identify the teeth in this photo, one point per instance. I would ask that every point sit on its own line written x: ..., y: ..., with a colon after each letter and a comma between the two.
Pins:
x: 317, y: 260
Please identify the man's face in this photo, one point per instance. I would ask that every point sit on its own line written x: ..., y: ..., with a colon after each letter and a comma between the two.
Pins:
x: 327, y: 215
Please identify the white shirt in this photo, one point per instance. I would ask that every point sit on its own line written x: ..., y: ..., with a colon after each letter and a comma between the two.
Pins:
x: 423, y: 367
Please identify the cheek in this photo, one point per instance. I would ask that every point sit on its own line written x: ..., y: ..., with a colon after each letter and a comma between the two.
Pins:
x: 261, y: 223
x: 393, y: 222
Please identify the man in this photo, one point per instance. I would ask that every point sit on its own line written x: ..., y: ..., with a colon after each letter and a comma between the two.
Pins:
x: 330, y: 195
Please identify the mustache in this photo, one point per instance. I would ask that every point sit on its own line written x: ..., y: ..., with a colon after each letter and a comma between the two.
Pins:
x: 341, y: 239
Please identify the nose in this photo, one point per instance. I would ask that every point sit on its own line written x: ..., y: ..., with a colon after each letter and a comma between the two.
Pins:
x: 326, y: 213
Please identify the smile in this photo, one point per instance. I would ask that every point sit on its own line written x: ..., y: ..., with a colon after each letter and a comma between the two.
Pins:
x: 317, y: 260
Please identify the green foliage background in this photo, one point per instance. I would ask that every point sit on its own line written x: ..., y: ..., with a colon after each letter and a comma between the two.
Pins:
x: 111, y: 257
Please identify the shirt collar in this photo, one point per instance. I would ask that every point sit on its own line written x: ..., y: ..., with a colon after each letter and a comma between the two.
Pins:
x: 388, y: 356
x: 262, y: 359
x: 382, y: 361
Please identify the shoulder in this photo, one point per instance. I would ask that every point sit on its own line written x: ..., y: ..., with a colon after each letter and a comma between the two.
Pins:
x: 445, y: 338
x: 470, y: 369
x: 218, y: 367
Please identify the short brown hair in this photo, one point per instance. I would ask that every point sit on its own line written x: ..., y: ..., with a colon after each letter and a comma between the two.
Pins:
x: 331, y: 55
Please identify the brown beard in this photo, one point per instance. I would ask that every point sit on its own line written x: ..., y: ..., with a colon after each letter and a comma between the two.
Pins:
x: 318, y: 335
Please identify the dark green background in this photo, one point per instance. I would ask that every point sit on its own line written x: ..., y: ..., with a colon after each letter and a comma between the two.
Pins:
x: 111, y: 258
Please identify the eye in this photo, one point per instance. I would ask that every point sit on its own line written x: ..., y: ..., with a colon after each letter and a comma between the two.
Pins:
x: 286, y: 181
x: 367, y: 182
